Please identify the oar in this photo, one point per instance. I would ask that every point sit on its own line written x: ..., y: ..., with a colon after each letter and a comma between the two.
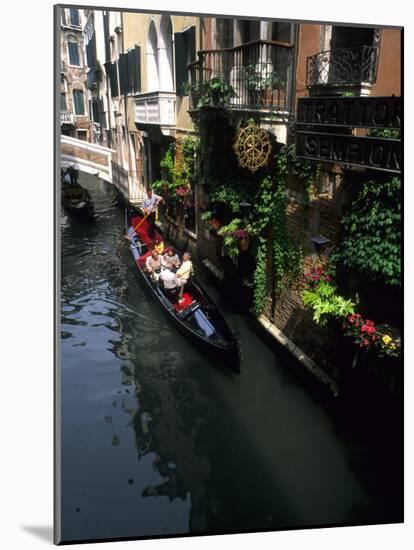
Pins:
x: 143, y: 219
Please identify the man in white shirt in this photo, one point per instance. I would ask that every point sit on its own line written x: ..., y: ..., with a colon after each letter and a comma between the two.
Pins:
x: 169, y: 279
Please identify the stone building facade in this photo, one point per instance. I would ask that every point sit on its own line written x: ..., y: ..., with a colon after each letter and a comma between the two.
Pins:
x: 74, y: 115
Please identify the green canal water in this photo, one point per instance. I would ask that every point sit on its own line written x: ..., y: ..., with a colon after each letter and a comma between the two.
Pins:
x: 158, y: 440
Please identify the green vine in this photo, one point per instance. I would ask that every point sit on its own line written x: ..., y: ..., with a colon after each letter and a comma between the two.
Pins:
x: 178, y: 169
x: 268, y: 196
x: 260, y: 276
x: 372, y: 241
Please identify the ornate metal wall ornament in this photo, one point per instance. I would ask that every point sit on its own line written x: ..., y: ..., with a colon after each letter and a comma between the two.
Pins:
x: 252, y: 147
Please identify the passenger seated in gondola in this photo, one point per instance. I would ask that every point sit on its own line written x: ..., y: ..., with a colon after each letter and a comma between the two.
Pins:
x: 183, y: 273
x: 159, y: 246
x: 169, y: 280
x: 171, y: 259
x: 153, y: 265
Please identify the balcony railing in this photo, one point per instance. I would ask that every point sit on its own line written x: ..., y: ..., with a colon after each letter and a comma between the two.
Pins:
x: 155, y: 108
x: 253, y: 76
x: 343, y: 66
x: 66, y: 117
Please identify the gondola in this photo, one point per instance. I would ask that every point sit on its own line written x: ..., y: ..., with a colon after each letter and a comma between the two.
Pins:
x: 197, y: 317
x: 77, y: 200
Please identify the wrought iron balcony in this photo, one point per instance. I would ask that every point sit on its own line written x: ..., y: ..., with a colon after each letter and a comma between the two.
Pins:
x: 155, y: 108
x: 66, y: 117
x: 343, y: 67
x: 252, y: 76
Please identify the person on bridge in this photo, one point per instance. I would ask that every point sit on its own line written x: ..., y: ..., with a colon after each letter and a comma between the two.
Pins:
x: 149, y: 206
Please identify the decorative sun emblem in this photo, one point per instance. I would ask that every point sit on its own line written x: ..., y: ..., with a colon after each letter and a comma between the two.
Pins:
x: 252, y: 147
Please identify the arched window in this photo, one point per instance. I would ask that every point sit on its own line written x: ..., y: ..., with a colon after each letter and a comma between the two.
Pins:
x: 73, y: 50
x: 152, y: 58
x: 165, y: 55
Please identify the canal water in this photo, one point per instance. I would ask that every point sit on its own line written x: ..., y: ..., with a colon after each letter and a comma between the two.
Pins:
x: 158, y: 440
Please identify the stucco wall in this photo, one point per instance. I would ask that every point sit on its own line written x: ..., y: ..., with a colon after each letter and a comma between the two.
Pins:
x: 389, y: 65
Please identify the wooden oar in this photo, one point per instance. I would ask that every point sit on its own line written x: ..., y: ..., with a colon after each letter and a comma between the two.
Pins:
x: 143, y: 219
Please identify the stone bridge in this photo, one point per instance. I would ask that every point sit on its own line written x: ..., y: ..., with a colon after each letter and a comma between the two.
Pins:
x: 101, y: 162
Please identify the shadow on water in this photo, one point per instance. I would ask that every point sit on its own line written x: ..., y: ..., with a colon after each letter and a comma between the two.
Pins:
x: 157, y: 439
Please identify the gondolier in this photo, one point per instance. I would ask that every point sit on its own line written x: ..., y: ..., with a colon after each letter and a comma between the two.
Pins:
x: 149, y: 206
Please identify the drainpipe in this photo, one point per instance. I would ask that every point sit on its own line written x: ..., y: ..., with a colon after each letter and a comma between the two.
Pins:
x: 292, y: 98
x: 107, y: 90
x: 126, y: 109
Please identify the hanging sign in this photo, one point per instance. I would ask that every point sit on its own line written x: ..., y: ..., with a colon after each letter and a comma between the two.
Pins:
x: 352, y: 112
x: 368, y: 152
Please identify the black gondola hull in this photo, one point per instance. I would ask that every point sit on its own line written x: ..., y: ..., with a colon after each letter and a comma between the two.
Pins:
x: 227, y: 354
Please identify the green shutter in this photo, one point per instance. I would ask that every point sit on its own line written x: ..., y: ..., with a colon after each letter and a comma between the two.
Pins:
x: 137, y: 74
x: 190, y: 36
x: 134, y: 69
x: 180, y: 62
x: 124, y: 84
x: 113, y: 78
x: 131, y: 66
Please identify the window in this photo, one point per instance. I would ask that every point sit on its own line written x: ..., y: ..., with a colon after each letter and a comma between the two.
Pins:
x: 74, y: 17
x: 185, y: 53
x: 78, y: 102
x: 62, y: 101
x: 83, y: 135
x: 63, y: 16
x: 224, y: 33
x: 73, y: 53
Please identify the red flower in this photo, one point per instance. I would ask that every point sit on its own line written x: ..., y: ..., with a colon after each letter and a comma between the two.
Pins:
x: 365, y: 342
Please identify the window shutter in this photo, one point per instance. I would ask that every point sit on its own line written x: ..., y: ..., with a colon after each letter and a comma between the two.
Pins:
x: 137, y: 82
x: 95, y: 110
x: 190, y: 37
x: 113, y: 78
x: 134, y: 69
x: 281, y: 32
x: 91, y: 52
x: 102, y: 114
x: 123, y: 74
x: 180, y: 62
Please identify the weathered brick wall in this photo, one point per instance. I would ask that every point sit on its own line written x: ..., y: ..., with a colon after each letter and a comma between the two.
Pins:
x: 84, y: 154
x: 305, y: 219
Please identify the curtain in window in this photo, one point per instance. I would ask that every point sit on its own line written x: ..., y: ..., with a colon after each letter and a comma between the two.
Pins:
x: 73, y: 53
x: 78, y: 102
